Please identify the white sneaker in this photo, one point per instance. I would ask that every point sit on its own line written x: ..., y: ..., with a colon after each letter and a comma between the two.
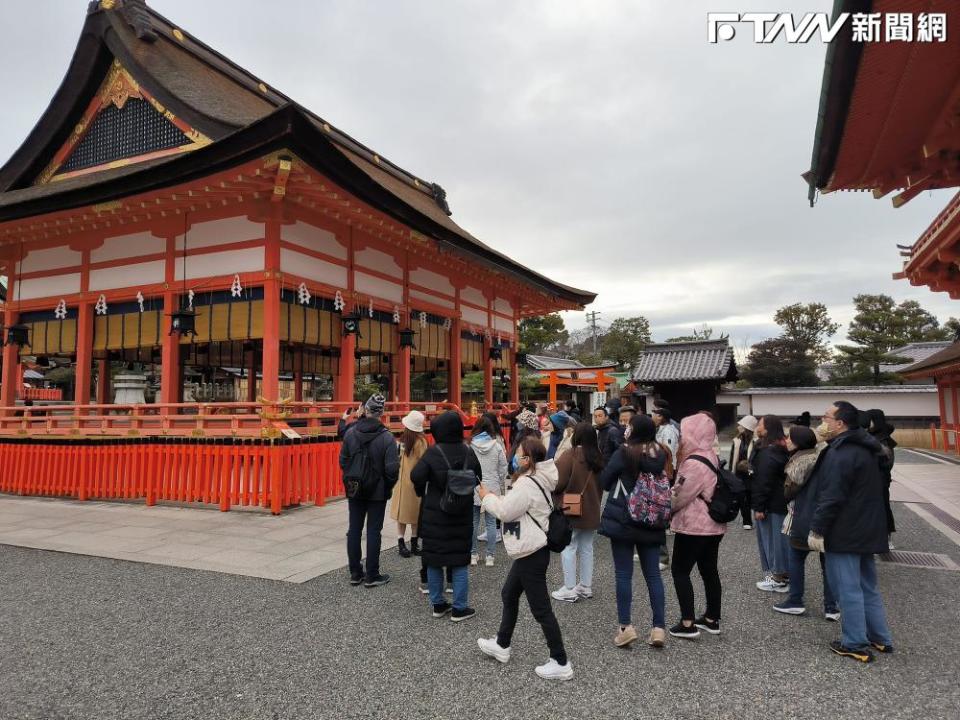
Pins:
x: 583, y: 591
x: 482, y: 537
x: 565, y: 594
x: 768, y: 584
x: 552, y: 670
x: 663, y: 566
x: 748, y: 526
x: 424, y: 589
x: 492, y: 648
x: 832, y: 616
x: 474, y: 559
x: 499, y: 536
x: 489, y: 561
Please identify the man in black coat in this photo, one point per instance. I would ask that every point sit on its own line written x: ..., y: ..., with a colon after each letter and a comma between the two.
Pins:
x: 446, y: 536
x: 769, y: 505
x: 370, y: 463
x: 849, y: 524
x: 609, y: 436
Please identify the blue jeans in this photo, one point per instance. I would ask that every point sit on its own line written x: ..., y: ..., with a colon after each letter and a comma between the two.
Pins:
x: 853, y: 578
x: 491, y: 532
x: 369, y: 512
x: 798, y: 562
x: 774, y: 544
x: 580, y: 549
x: 623, y: 569
x: 461, y: 585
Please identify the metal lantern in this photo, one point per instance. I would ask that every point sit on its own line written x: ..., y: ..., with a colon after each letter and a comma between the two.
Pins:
x: 521, y: 358
x: 406, y: 338
x: 496, y: 353
x: 183, y: 322
x: 18, y: 335
x: 351, y: 324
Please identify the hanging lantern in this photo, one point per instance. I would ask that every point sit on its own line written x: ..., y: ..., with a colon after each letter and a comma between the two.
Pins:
x: 406, y: 338
x: 521, y: 358
x: 183, y: 322
x: 351, y: 324
x: 18, y: 335
x: 496, y: 353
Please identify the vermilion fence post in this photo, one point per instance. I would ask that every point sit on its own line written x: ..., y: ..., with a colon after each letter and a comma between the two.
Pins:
x: 276, y: 498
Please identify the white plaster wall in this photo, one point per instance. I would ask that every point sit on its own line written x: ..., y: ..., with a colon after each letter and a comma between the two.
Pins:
x: 52, y: 287
x: 472, y: 295
x: 504, y: 306
x: 503, y: 324
x: 313, y: 268
x: 477, y: 317
x: 222, y: 263
x: 380, y: 261
x: 129, y: 275
x: 221, y: 232
x: 127, y: 246
x: 922, y: 403
x: 431, y: 280
x: 313, y: 238
x: 377, y: 287
x: 434, y: 299
x: 50, y: 259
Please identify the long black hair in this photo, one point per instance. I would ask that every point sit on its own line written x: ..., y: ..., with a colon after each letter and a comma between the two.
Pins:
x: 494, y: 425
x: 585, y: 437
x: 774, y: 427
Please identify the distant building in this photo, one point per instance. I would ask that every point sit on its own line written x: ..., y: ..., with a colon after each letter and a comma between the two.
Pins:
x: 917, y: 352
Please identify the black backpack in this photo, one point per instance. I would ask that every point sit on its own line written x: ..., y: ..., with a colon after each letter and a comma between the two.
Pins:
x: 458, y: 495
x: 558, y: 531
x: 358, y: 479
x: 729, y: 495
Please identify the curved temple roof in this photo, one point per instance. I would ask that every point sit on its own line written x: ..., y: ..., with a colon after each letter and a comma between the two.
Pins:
x: 241, y: 115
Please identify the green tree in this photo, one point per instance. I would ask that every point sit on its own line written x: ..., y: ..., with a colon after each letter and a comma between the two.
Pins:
x: 809, y: 326
x: 953, y: 327
x: 780, y: 362
x: 703, y: 332
x: 877, y: 330
x: 539, y: 334
x: 625, y: 340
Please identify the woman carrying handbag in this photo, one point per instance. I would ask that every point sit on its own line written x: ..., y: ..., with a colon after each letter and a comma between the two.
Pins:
x: 578, y: 495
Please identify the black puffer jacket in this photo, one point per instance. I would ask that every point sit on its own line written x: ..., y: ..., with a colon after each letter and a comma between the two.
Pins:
x: 609, y: 438
x: 766, y: 483
x: 446, y: 538
x: 382, y: 454
x: 615, y: 522
x: 848, y: 508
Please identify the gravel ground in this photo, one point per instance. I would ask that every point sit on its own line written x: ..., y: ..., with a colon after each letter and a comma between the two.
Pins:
x: 86, y: 637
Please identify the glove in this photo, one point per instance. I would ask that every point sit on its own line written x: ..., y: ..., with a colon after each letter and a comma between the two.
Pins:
x: 815, y: 542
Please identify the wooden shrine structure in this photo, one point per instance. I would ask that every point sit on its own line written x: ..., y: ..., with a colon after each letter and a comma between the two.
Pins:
x: 889, y: 121
x: 170, y: 211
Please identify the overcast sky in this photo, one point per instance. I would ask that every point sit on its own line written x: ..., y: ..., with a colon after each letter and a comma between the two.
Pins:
x: 606, y: 144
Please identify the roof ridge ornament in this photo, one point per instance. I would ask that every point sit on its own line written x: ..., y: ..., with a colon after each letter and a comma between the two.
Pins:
x: 440, y: 197
x: 135, y: 12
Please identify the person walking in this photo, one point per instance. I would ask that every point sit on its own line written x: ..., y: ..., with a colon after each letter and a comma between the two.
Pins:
x: 529, y: 426
x: 446, y: 535
x: 493, y: 475
x: 525, y: 513
x: 579, y: 472
x: 641, y: 454
x: 740, y: 453
x: 697, y: 536
x: 609, y: 435
x: 559, y: 432
x: 804, y: 453
x: 370, y: 465
x: 849, y: 524
x: 405, y: 507
x: 667, y: 434
x: 769, y: 505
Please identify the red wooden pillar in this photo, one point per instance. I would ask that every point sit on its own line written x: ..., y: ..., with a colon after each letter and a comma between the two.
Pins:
x: 348, y: 368
x: 403, y: 375
x: 81, y: 395
x: 11, y: 358
x: 955, y: 425
x: 454, y: 384
x: 103, y: 382
x: 514, y: 375
x: 487, y: 365
x: 941, y: 389
x: 171, y: 384
x: 270, y: 387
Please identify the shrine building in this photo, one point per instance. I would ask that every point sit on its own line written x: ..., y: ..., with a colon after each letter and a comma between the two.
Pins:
x: 174, y: 215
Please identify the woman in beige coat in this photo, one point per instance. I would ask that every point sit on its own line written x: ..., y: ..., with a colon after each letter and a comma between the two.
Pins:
x: 405, y: 507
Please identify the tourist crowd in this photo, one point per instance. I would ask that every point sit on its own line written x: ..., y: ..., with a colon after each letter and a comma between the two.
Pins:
x: 635, y: 478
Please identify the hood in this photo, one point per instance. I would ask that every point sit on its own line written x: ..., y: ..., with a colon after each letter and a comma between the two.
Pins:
x: 483, y: 443
x: 547, y: 475
x: 366, y: 427
x: 697, y: 434
x: 447, y: 427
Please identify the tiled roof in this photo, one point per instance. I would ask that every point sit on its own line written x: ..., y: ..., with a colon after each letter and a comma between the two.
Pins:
x: 916, y: 352
x: 545, y: 362
x: 677, y: 362
x: 928, y: 367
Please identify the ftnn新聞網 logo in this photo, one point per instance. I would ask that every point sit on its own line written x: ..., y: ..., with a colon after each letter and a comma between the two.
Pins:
x: 865, y: 27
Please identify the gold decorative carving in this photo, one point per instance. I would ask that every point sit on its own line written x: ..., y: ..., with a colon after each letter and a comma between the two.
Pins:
x: 263, y: 88
x: 178, y: 34
x: 107, y: 4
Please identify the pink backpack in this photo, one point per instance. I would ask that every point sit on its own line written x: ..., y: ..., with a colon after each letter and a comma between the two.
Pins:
x: 650, y: 502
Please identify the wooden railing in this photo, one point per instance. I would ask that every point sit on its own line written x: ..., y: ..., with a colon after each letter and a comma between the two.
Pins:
x: 32, y: 393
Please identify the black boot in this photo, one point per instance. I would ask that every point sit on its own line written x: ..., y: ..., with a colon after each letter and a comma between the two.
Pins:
x: 402, y: 548
x: 415, y: 545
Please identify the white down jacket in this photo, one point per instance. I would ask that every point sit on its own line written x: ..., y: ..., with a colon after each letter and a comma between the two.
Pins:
x: 524, y: 511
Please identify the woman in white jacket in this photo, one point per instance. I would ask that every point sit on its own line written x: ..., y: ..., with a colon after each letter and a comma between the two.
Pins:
x: 493, y: 467
x: 525, y: 513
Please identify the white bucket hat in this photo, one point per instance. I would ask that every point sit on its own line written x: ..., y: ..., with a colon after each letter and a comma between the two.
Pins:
x: 413, y: 421
x: 748, y: 422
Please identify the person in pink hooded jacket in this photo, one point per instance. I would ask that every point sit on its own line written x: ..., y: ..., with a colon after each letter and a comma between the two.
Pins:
x: 697, y: 537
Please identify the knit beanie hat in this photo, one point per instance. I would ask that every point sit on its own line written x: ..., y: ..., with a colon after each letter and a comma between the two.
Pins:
x: 374, y: 406
x: 528, y: 420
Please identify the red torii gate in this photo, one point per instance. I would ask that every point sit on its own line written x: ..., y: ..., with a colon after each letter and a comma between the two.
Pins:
x: 589, y: 376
